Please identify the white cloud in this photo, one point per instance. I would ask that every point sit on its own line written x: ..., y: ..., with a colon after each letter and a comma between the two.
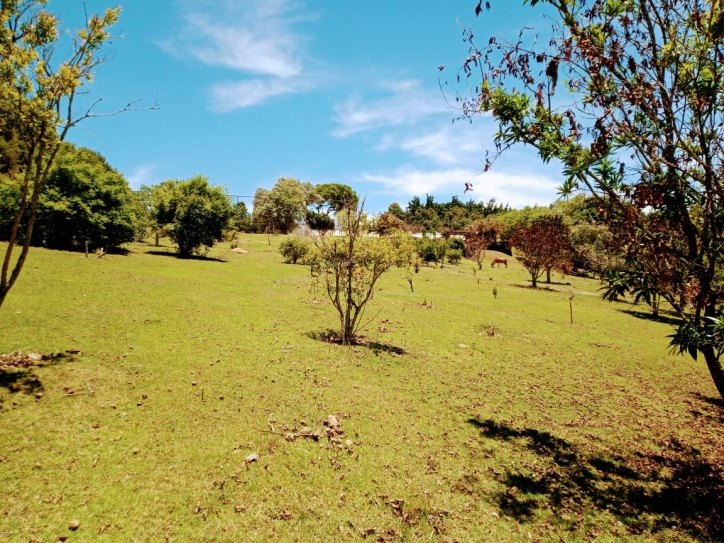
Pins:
x: 141, y: 175
x: 263, y: 47
x: 447, y: 145
x: 407, y: 103
x: 256, y: 38
x: 516, y: 189
x: 230, y: 96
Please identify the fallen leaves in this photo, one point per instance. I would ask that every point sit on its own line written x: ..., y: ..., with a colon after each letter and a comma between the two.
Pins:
x: 18, y: 361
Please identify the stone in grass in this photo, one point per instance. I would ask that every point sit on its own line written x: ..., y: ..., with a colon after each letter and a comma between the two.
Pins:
x: 74, y: 524
x: 136, y: 450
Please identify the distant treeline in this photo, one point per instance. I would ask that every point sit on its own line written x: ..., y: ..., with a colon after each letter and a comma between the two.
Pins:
x: 453, y: 215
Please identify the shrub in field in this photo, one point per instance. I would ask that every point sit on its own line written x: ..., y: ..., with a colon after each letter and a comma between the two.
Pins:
x: 193, y: 213
x: 430, y: 250
x: 294, y: 249
x: 350, y: 267
x: 454, y: 256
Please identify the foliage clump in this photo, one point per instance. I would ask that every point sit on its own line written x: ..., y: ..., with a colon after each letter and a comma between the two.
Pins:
x: 542, y: 246
x: 294, y: 249
x: 192, y: 212
x: 284, y: 206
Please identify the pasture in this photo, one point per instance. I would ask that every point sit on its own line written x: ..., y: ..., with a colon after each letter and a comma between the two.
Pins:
x: 465, y: 417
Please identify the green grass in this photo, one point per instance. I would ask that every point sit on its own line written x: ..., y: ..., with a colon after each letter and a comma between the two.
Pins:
x: 546, y: 431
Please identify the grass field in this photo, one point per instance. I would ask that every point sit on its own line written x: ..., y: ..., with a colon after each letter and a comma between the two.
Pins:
x: 544, y: 431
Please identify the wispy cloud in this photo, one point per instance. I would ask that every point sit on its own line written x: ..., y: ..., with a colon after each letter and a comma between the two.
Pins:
x: 515, y: 189
x: 263, y: 47
x: 231, y: 96
x: 256, y: 38
x: 445, y: 145
x: 141, y: 175
x: 406, y: 102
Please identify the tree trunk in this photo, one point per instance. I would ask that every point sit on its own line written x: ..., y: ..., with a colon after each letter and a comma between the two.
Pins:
x: 156, y: 238
x: 715, y: 369
x: 3, y: 293
x: 548, y: 276
x: 534, y: 280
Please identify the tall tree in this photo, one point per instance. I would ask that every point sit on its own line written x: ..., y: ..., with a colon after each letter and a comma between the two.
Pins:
x: 644, y: 133
x: 284, y: 206
x: 38, y: 95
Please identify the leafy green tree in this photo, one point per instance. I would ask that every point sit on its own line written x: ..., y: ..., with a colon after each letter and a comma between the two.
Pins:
x: 319, y: 221
x: 351, y: 266
x: 386, y: 223
x: 643, y: 134
x: 284, y: 206
x: 193, y: 213
x: 336, y: 197
x: 240, y: 220
x: 294, y: 249
x: 396, y: 211
x: 84, y: 200
x: 38, y: 106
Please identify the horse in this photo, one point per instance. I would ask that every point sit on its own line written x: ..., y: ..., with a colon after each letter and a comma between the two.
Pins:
x: 499, y: 261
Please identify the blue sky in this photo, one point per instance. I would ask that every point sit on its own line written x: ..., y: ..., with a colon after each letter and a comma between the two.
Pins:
x: 321, y: 90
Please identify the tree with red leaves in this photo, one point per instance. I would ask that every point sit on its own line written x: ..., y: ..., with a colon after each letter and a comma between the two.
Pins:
x: 479, y: 235
x: 542, y: 246
x: 641, y: 128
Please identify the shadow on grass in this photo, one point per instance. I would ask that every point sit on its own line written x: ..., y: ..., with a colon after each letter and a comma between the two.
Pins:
x: 18, y: 376
x: 20, y: 381
x: 648, y: 492
x: 192, y: 257
x: 672, y: 320
x: 330, y: 336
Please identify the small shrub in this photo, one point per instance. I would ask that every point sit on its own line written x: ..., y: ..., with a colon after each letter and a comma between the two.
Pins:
x: 454, y: 256
x: 294, y: 249
x: 430, y: 250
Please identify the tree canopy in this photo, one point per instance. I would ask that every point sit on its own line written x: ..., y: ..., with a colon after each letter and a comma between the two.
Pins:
x: 192, y: 212
x: 85, y: 200
x: 282, y: 207
x: 336, y: 197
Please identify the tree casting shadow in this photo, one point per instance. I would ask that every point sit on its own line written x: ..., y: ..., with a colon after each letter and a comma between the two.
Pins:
x: 673, y: 321
x: 192, y: 257
x: 647, y: 491
x: 330, y: 336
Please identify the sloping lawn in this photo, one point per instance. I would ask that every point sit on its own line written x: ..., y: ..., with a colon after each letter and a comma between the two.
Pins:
x: 465, y: 418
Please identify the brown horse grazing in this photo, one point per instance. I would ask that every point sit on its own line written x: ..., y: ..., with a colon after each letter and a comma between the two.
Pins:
x: 499, y: 261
